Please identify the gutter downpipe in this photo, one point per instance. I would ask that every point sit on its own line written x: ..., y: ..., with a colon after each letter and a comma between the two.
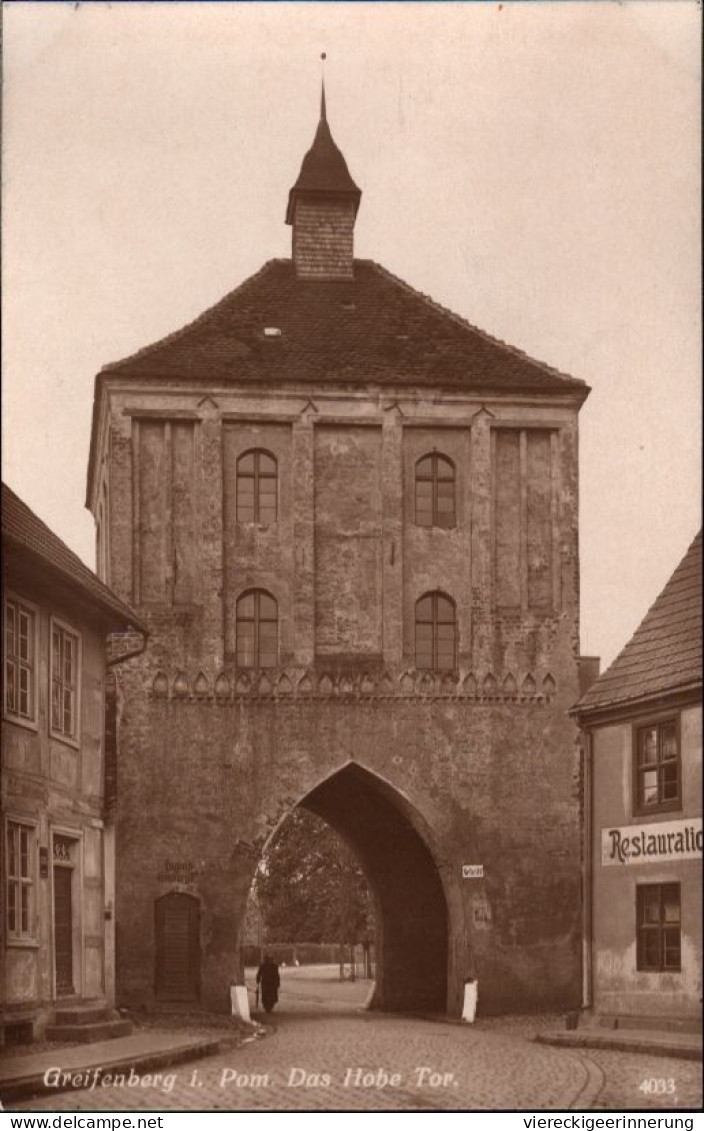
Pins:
x: 587, y: 876
x: 130, y: 655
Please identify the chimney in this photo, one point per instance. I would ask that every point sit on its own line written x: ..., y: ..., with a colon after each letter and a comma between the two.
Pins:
x: 589, y: 668
x: 322, y: 209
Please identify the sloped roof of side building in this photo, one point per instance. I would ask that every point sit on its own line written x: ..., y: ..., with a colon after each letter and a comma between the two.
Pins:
x: 664, y: 655
x: 24, y: 532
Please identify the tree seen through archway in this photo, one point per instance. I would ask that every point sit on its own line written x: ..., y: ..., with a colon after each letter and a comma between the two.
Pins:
x: 310, y: 888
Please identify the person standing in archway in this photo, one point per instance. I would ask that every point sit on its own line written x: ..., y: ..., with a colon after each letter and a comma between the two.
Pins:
x: 269, y: 980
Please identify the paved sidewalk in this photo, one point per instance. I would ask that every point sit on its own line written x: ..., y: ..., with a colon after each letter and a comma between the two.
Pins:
x: 683, y: 1046
x: 60, y: 1070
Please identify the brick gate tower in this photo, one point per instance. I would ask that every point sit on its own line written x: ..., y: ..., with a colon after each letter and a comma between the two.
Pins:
x: 349, y: 519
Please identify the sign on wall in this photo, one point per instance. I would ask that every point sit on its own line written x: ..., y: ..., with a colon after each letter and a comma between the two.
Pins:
x: 472, y: 871
x: 653, y: 843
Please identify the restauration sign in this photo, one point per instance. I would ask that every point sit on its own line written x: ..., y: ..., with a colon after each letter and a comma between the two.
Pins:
x: 653, y: 843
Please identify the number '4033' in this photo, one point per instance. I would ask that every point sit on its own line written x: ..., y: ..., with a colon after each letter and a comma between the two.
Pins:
x: 654, y: 1086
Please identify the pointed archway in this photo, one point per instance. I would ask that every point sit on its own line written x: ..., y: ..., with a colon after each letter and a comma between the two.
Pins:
x: 411, y: 908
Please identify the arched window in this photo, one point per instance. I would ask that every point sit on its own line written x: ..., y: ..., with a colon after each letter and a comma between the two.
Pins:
x: 257, y: 481
x: 436, y: 632
x: 257, y: 630
x: 435, y: 491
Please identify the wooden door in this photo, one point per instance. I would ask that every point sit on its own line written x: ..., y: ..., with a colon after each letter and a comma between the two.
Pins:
x: 63, y: 930
x: 177, y: 947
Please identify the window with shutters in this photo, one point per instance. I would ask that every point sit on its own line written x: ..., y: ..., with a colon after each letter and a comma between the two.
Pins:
x: 436, y: 632
x: 435, y: 491
x: 257, y: 630
x: 658, y: 927
x: 20, y: 660
x: 65, y: 681
x: 20, y: 885
x: 257, y: 487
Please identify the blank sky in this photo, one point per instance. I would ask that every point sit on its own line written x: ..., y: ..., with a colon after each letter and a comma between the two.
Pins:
x: 535, y: 167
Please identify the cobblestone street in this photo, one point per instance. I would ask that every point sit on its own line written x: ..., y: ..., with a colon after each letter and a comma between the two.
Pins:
x: 319, y: 1053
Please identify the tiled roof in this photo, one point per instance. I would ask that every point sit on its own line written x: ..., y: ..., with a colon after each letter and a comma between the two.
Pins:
x: 664, y: 654
x: 22, y: 528
x: 373, y: 328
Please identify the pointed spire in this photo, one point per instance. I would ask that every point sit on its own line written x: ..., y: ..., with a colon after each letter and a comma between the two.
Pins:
x: 324, y: 169
x: 322, y: 207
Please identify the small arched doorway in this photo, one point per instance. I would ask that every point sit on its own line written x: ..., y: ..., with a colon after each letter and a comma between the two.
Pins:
x: 385, y: 834
x: 177, y: 935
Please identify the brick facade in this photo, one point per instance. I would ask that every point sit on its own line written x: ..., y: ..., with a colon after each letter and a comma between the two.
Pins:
x: 423, y: 771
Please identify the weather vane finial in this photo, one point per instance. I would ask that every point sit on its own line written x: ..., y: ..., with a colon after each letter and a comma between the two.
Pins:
x: 323, y: 115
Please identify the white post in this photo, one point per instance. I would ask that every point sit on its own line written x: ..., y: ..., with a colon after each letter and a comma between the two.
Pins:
x: 239, y: 1000
x: 469, y: 1009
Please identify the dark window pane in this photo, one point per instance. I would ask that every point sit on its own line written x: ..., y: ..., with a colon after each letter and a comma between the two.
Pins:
x: 267, y: 607
x: 11, y: 851
x: 650, y: 904
x: 245, y: 653
x: 245, y: 502
x: 267, y: 514
x: 648, y: 747
x: 245, y: 464
x: 10, y: 629
x: 651, y: 949
x: 12, y: 907
x: 424, y: 609
x: 267, y: 660
x: 671, y: 903
x: 11, y: 684
x: 649, y: 787
x: 668, y: 742
x: 670, y: 781
x: 445, y: 469
x: 424, y: 468
x: 267, y: 465
x: 245, y: 606
x: 424, y: 504
x: 55, y: 702
x: 268, y: 637
x: 446, y: 610
x: 24, y: 924
x: 671, y: 957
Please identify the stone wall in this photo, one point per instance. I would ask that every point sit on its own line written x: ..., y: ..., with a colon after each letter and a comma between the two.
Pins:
x: 475, y: 766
